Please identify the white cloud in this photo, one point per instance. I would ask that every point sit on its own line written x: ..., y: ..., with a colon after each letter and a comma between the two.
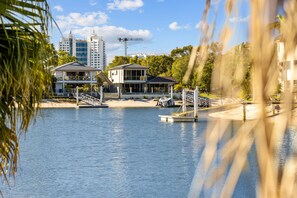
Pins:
x: 215, y: 2
x: 58, y: 8
x: 74, y: 20
x: 125, y: 5
x: 198, y: 26
x: 202, y: 26
x: 111, y: 34
x: 174, y: 26
x: 93, y: 2
x: 239, y: 19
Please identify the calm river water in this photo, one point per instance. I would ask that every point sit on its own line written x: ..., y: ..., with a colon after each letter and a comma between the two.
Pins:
x: 112, y: 153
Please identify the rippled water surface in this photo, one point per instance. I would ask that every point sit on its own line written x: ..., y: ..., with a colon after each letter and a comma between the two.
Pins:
x: 110, y: 153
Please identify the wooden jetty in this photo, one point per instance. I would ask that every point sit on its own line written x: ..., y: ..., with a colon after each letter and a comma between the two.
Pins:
x: 90, y: 101
x: 184, y: 115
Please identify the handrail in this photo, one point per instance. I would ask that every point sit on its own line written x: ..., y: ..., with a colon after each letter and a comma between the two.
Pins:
x: 77, y: 78
x: 89, y: 99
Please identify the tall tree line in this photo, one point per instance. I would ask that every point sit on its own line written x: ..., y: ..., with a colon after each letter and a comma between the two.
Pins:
x: 176, y: 64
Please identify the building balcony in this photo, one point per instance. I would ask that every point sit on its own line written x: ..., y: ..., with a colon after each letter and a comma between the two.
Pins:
x: 135, y: 78
x: 85, y: 79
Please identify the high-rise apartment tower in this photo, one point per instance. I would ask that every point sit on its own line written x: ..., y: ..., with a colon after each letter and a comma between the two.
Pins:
x: 96, y: 52
x: 90, y: 52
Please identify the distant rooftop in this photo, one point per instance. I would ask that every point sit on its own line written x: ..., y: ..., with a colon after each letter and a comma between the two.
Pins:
x: 75, y: 67
x: 129, y: 66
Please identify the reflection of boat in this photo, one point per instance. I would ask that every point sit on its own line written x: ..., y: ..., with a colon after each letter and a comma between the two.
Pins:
x: 165, y: 102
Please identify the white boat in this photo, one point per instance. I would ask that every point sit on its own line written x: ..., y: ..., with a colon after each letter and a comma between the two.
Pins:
x: 165, y: 102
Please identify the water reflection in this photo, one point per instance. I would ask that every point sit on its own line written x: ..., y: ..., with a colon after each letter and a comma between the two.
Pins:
x: 109, y: 153
x: 288, y: 146
x: 118, y: 154
x: 182, y: 131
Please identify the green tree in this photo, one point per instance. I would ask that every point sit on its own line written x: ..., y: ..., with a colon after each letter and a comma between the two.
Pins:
x: 24, y: 57
x: 118, y: 60
x: 136, y: 60
x: 205, y: 81
x: 204, y: 78
x: 179, y: 68
x: 180, y: 52
x: 238, y: 70
x: 160, y: 65
x: 64, y: 57
x: 247, y: 65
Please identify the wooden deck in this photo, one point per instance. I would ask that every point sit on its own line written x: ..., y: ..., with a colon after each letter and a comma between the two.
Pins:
x: 172, y: 118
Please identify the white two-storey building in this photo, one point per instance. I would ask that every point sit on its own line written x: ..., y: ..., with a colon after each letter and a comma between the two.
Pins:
x: 134, y: 79
x: 288, y: 65
x: 73, y: 74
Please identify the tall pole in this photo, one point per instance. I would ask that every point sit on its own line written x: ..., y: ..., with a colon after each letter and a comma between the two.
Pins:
x: 91, y: 83
x: 196, y: 93
x: 76, y: 95
x: 126, y: 47
x: 171, y: 92
x: 101, y: 94
x: 244, y: 111
x: 184, y: 107
x: 125, y: 40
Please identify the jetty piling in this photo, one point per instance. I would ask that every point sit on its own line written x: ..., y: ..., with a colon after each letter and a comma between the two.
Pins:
x: 76, y: 95
x: 184, y: 104
x: 171, y: 92
x: 196, y: 95
x: 244, y: 111
x: 101, y: 94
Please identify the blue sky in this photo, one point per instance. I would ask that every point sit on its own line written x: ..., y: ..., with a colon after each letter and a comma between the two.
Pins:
x: 162, y: 24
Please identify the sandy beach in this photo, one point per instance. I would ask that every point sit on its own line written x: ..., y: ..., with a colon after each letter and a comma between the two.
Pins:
x: 52, y: 104
x: 130, y: 103
x: 140, y: 103
x: 252, y: 113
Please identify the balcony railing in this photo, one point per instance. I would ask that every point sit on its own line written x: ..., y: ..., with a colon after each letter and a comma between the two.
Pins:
x: 138, y: 78
x: 76, y: 78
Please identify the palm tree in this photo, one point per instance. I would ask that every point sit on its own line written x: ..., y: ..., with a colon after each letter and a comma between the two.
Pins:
x: 25, y: 54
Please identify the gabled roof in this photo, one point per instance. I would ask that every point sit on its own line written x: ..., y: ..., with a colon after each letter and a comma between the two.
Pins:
x: 129, y: 66
x: 75, y: 67
x: 160, y: 79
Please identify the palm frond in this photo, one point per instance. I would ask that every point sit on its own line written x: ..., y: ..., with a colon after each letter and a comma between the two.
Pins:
x: 23, y: 76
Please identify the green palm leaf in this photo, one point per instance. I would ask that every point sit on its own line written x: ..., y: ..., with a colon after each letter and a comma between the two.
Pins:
x: 24, y: 49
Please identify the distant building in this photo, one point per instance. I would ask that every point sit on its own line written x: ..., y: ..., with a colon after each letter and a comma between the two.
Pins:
x: 96, y: 52
x: 90, y: 52
x: 67, y: 44
x: 81, y: 50
x: 140, y: 55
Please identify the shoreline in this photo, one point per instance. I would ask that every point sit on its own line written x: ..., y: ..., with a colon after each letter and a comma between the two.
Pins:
x: 121, y: 103
x: 235, y: 113
x: 112, y: 103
